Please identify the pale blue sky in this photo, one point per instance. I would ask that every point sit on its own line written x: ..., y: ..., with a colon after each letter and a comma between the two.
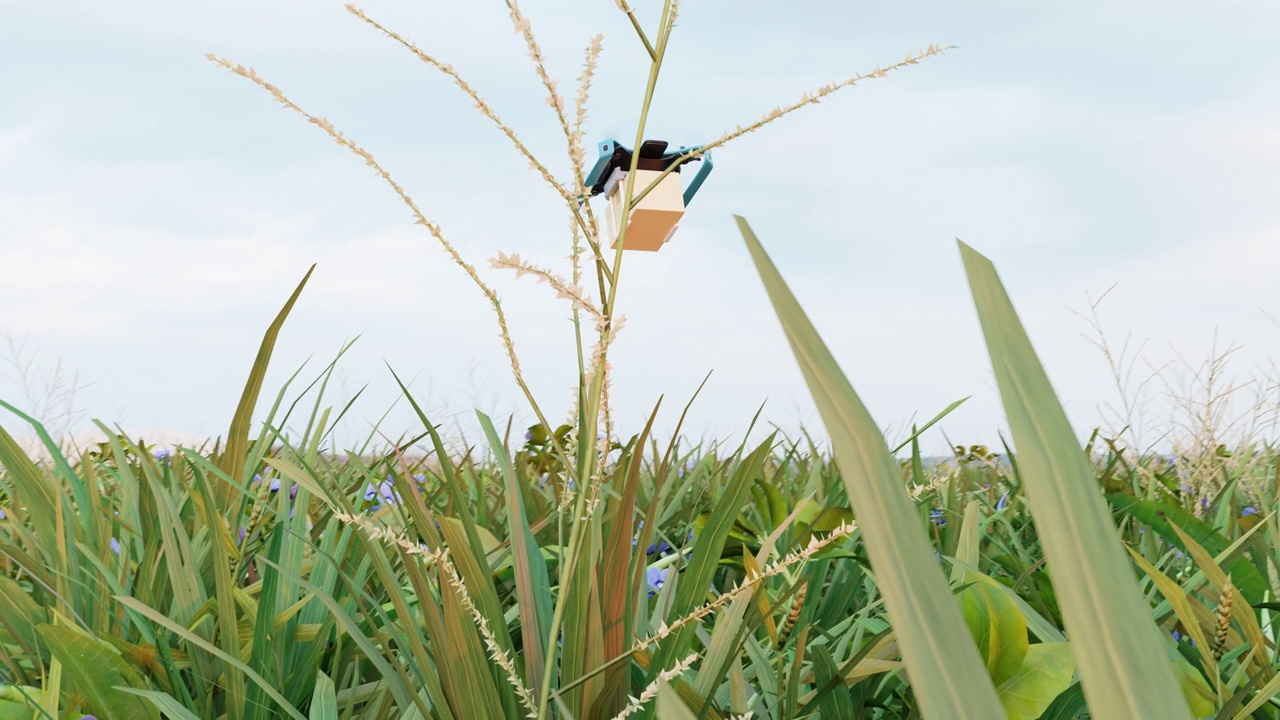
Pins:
x: 155, y: 211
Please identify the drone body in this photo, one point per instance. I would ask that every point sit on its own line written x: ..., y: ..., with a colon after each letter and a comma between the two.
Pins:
x: 654, y: 218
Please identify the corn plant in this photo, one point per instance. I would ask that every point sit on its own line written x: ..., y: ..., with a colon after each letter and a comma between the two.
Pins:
x: 601, y: 575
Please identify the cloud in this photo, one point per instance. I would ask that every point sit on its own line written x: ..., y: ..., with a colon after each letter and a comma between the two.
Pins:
x: 150, y: 241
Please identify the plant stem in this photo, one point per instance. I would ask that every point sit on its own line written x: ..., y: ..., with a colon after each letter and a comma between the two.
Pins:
x: 589, y: 422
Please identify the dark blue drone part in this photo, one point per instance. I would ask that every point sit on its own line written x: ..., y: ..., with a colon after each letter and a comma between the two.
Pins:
x: 653, y: 155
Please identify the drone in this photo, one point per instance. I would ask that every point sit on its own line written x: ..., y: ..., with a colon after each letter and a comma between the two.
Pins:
x: 653, y: 220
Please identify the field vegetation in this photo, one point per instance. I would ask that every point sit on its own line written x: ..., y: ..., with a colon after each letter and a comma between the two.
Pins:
x: 582, y: 569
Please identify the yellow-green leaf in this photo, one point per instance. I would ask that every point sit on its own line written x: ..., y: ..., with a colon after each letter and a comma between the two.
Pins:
x: 997, y: 626
x: 95, y: 671
x: 1044, y: 675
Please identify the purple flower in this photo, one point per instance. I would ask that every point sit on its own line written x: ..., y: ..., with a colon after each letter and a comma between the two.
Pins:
x: 656, y: 577
x: 938, y: 518
x: 1004, y: 502
x: 115, y: 546
x: 164, y: 454
x: 1249, y: 511
x: 384, y: 492
x: 659, y: 547
x: 2, y: 515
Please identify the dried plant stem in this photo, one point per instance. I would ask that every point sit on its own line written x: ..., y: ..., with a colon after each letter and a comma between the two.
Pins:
x: 386, y: 535
x: 636, y: 704
x: 749, y: 583
x: 564, y: 289
x: 496, y: 653
x: 806, y: 99
x: 573, y: 137
x: 595, y: 393
x: 466, y: 87
x: 481, y: 105
x: 419, y: 219
x: 624, y: 7
x: 584, y: 223
x: 592, y: 235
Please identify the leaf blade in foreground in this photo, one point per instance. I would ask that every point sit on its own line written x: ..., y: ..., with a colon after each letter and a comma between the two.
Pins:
x: 947, y: 674
x: 1117, y: 646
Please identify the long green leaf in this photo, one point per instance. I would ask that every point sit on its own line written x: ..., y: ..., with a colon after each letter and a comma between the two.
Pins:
x: 1162, y: 516
x: 533, y: 585
x: 946, y: 672
x: 1117, y: 646
x: 165, y: 702
x: 233, y: 455
x: 709, y: 542
x: 185, y: 634
x: 324, y: 702
x: 95, y: 671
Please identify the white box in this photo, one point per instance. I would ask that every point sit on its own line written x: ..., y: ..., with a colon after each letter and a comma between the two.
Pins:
x: 653, y: 220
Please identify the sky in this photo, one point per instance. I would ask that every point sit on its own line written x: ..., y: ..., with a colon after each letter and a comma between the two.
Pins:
x: 156, y: 211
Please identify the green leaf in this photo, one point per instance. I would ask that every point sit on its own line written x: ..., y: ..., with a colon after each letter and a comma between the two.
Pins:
x: 708, y: 545
x: 165, y: 702
x: 1195, y: 689
x: 95, y: 671
x: 1043, y: 676
x: 1116, y: 643
x: 324, y: 701
x: 671, y: 707
x: 835, y: 704
x: 533, y: 586
x: 233, y: 456
x: 947, y: 674
x: 997, y: 626
x: 160, y: 619
x: 1067, y: 705
x: 916, y: 432
x: 968, y: 550
x: 19, y: 614
x: 1158, y: 516
x: 13, y: 704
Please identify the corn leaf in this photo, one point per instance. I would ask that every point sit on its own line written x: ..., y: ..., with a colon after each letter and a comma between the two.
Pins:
x: 95, y: 671
x: 233, y: 455
x: 324, y: 701
x: 947, y: 674
x: 1117, y: 646
x: 1044, y: 675
x: 533, y: 586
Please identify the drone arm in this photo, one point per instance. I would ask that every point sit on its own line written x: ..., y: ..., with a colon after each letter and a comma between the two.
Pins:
x: 606, y: 149
x: 703, y: 171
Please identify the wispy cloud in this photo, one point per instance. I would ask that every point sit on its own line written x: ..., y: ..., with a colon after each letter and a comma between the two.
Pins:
x: 154, y: 213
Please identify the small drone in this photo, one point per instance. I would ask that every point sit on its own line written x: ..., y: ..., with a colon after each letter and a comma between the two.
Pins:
x: 653, y: 220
